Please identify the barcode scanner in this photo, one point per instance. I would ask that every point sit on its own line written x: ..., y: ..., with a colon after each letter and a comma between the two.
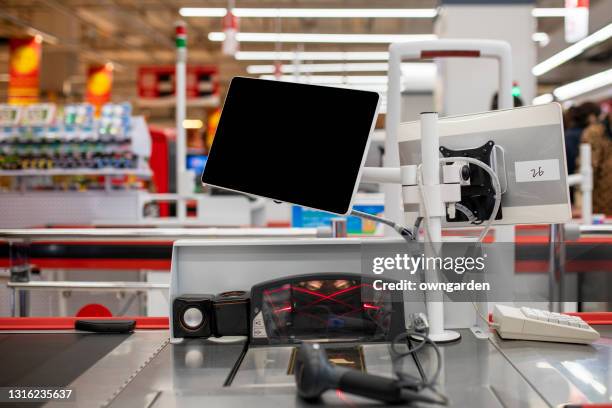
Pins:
x: 314, y: 375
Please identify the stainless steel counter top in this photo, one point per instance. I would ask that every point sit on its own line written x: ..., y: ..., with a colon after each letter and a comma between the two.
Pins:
x: 565, y: 372
x: 146, y: 371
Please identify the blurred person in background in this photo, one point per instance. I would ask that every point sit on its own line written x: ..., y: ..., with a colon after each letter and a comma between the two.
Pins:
x: 518, y: 102
x: 574, y: 122
x: 606, y: 123
x: 596, y: 135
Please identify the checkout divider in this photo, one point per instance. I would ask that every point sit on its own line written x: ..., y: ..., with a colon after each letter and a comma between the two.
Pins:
x: 8, y: 324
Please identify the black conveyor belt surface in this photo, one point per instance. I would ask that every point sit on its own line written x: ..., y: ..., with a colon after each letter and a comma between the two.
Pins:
x: 51, y: 360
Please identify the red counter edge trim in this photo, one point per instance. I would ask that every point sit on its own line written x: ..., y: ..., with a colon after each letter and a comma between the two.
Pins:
x: 162, y: 323
x: 67, y: 323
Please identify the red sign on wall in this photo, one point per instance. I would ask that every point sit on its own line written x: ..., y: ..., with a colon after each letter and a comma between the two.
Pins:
x: 24, y: 70
x: 159, y: 82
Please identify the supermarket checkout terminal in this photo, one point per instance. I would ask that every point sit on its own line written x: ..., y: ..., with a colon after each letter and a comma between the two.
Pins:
x: 297, y: 323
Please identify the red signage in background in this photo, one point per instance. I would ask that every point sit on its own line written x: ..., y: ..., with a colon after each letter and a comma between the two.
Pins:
x: 99, y: 85
x: 24, y: 70
x: 576, y: 20
x: 156, y: 83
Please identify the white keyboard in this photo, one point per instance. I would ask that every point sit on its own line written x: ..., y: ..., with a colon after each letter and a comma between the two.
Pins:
x: 533, y: 324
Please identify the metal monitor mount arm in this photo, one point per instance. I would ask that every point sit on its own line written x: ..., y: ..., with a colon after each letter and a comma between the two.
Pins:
x: 393, y: 175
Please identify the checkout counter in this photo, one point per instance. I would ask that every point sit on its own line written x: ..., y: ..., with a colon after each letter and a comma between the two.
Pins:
x: 143, y: 369
x: 153, y: 367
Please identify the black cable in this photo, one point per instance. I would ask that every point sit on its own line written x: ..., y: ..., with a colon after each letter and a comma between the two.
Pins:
x: 409, y: 381
x: 418, y: 364
x: 405, y: 232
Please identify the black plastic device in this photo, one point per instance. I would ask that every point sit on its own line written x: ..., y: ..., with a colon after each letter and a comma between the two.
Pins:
x: 105, y: 326
x: 478, y: 194
x: 231, y: 315
x: 314, y: 375
x: 203, y: 316
x: 331, y: 306
x: 192, y: 316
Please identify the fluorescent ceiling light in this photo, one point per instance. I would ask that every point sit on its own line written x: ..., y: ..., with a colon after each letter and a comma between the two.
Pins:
x: 549, y: 12
x: 310, y: 68
x: 312, y: 56
x: 338, y: 13
x: 203, y: 11
x: 584, y: 85
x: 542, y: 99
x: 573, y: 50
x: 333, y: 79
x: 415, y: 68
x: 323, y: 38
x: 309, y: 12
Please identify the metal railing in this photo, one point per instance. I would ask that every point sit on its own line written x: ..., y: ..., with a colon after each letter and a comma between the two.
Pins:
x: 173, y: 234
x: 20, y: 239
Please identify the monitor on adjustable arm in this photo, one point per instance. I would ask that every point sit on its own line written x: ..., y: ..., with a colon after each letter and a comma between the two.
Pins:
x: 296, y: 143
x: 524, y: 146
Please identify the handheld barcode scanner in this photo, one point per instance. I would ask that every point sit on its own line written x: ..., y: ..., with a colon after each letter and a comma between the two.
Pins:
x: 314, y: 375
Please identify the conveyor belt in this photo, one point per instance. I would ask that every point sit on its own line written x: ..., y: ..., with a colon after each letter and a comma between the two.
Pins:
x: 47, y: 359
x: 51, y: 359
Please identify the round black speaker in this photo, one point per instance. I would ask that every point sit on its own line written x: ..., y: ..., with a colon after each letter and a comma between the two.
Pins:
x: 192, y: 316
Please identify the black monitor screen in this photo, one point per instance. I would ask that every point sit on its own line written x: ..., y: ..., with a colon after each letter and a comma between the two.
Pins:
x: 302, y: 144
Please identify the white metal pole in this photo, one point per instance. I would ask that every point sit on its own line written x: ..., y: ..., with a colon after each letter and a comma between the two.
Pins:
x: 504, y: 98
x: 586, y: 185
x: 501, y: 51
x: 181, y: 102
x: 503, y: 233
x: 430, y: 167
x: 393, y: 203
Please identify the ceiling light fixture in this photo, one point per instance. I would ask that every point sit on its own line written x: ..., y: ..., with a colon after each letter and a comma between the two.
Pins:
x: 549, y: 12
x: 584, y: 85
x: 414, y: 68
x: 323, y: 38
x: 312, y: 56
x: 573, y: 50
x: 309, y: 12
x: 333, y: 79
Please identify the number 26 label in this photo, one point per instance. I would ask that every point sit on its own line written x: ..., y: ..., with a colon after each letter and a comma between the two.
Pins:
x: 537, y: 170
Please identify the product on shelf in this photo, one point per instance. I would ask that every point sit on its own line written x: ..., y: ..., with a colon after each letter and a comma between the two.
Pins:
x: 36, y: 138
